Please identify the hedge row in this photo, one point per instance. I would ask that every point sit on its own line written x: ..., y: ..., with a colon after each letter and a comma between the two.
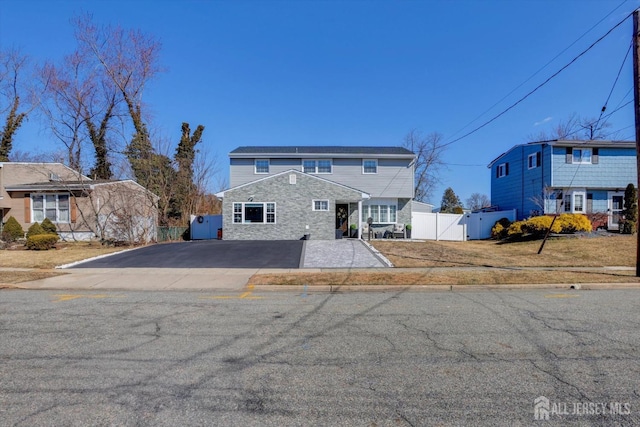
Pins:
x: 539, y: 225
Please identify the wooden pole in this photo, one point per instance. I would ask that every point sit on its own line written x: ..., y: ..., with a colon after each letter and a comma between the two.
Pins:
x: 636, y: 108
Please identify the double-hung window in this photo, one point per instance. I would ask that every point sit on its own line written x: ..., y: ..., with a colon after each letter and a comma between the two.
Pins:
x: 369, y: 166
x: 502, y: 170
x: 321, y: 205
x: 581, y: 155
x: 252, y: 213
x: 262, y: 166
x: 317, y: 166
x: 575, y: 201
x: 534, y: 160
x: 53, y: 206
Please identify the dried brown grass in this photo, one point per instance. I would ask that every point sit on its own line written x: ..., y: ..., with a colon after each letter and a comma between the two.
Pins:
x: 485, y: 262
x: 12, y: 276
x: 607, y: 250
x: 439, y: 277
x: 64, y: 253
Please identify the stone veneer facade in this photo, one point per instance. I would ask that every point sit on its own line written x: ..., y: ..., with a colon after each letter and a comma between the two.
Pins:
x: 294, y: 207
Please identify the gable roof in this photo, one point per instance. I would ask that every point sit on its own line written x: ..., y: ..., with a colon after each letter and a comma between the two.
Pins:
x: 322, y: 150
x: 364, y: 195
x: 569, y: 143
x: 68, y: 185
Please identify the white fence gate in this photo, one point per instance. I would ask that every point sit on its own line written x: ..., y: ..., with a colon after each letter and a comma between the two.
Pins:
x: 439, y: 226
x: 205, y: 227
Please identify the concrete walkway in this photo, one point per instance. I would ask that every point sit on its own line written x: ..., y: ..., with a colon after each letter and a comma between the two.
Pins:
x: 341, y: 253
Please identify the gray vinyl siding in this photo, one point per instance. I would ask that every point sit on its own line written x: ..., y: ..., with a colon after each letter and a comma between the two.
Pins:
x: 394, y: 177
x: 242, y: 171
x: 294, y: 209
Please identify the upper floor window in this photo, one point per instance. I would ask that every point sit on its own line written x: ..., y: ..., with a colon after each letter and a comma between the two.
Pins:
x: 502, y: 170
x: 52, y: 206
x: 581, y: 155
x: 262, y: 166
x: 534, y: 160
x: 317, y: 166
x: 369, y: 166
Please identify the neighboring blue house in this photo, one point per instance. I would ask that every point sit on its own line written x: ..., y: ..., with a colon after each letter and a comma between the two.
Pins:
x: 564, y: 176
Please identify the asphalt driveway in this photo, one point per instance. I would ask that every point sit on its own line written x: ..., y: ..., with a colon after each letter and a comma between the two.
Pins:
x: 207, y: 254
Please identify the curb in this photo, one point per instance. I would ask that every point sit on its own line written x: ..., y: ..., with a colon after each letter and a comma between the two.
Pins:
x: 451, y: 288
x: 73, y: 264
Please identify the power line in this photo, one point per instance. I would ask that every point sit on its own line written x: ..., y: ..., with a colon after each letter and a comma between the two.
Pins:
x: 541, y: 68
x: 494, y: 118
x: 604, y: 107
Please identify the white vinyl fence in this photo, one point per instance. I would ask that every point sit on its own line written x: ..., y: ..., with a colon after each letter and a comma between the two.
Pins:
x: 439, y: 226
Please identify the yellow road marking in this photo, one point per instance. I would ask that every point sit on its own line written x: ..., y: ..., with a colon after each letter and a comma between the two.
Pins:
x: 244, y: 295
x: 69, y: 297
x: 561, y: 296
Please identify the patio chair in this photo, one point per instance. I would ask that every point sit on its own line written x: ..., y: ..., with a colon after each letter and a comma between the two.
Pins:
x: 398, y: 231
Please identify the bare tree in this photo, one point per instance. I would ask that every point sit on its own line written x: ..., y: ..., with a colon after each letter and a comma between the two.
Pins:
x: 545, y: 201
x: 64, y: 95
x: 80, y: 102
x: 478, y: 201
x: 33, y: 157
x: 129, y: 59
x: 12, y: 92
x: 574, y: 128
x: 428, y: 150
x: 204, y: 169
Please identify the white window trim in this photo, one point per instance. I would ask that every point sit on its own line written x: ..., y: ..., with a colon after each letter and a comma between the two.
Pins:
x: 366, y: 211
x: 571, y: 194
x: 502, y: 170
x: 581, y: 162
x: 313, y: 205
x: 316, y: 166
x: 44, y: 207
x: 369, y: 160
x: 264, y: 213
x: 532, y: 164
x: 255, y: 166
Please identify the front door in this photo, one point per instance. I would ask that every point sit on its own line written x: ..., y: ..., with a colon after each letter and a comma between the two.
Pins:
x: 342, y: 218
x: 616, y: 205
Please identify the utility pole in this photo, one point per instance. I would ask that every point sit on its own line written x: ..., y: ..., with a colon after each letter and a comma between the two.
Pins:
x: 636, y: 109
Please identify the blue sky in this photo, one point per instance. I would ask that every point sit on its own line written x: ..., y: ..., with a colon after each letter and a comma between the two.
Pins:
x: 357, y: 72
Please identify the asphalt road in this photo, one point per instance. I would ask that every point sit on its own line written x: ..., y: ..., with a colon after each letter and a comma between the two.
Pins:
x: 207, y: 254
x: 274, y: 358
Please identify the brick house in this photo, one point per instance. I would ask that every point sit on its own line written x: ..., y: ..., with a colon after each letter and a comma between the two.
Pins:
x: 81, y: 208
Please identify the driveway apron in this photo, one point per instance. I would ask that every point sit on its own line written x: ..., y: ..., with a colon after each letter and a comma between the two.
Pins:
x: 340, y: 253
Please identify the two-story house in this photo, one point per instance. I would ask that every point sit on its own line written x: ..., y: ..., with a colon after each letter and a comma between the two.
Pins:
x: 564, y: 176
x: 322, y: 192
